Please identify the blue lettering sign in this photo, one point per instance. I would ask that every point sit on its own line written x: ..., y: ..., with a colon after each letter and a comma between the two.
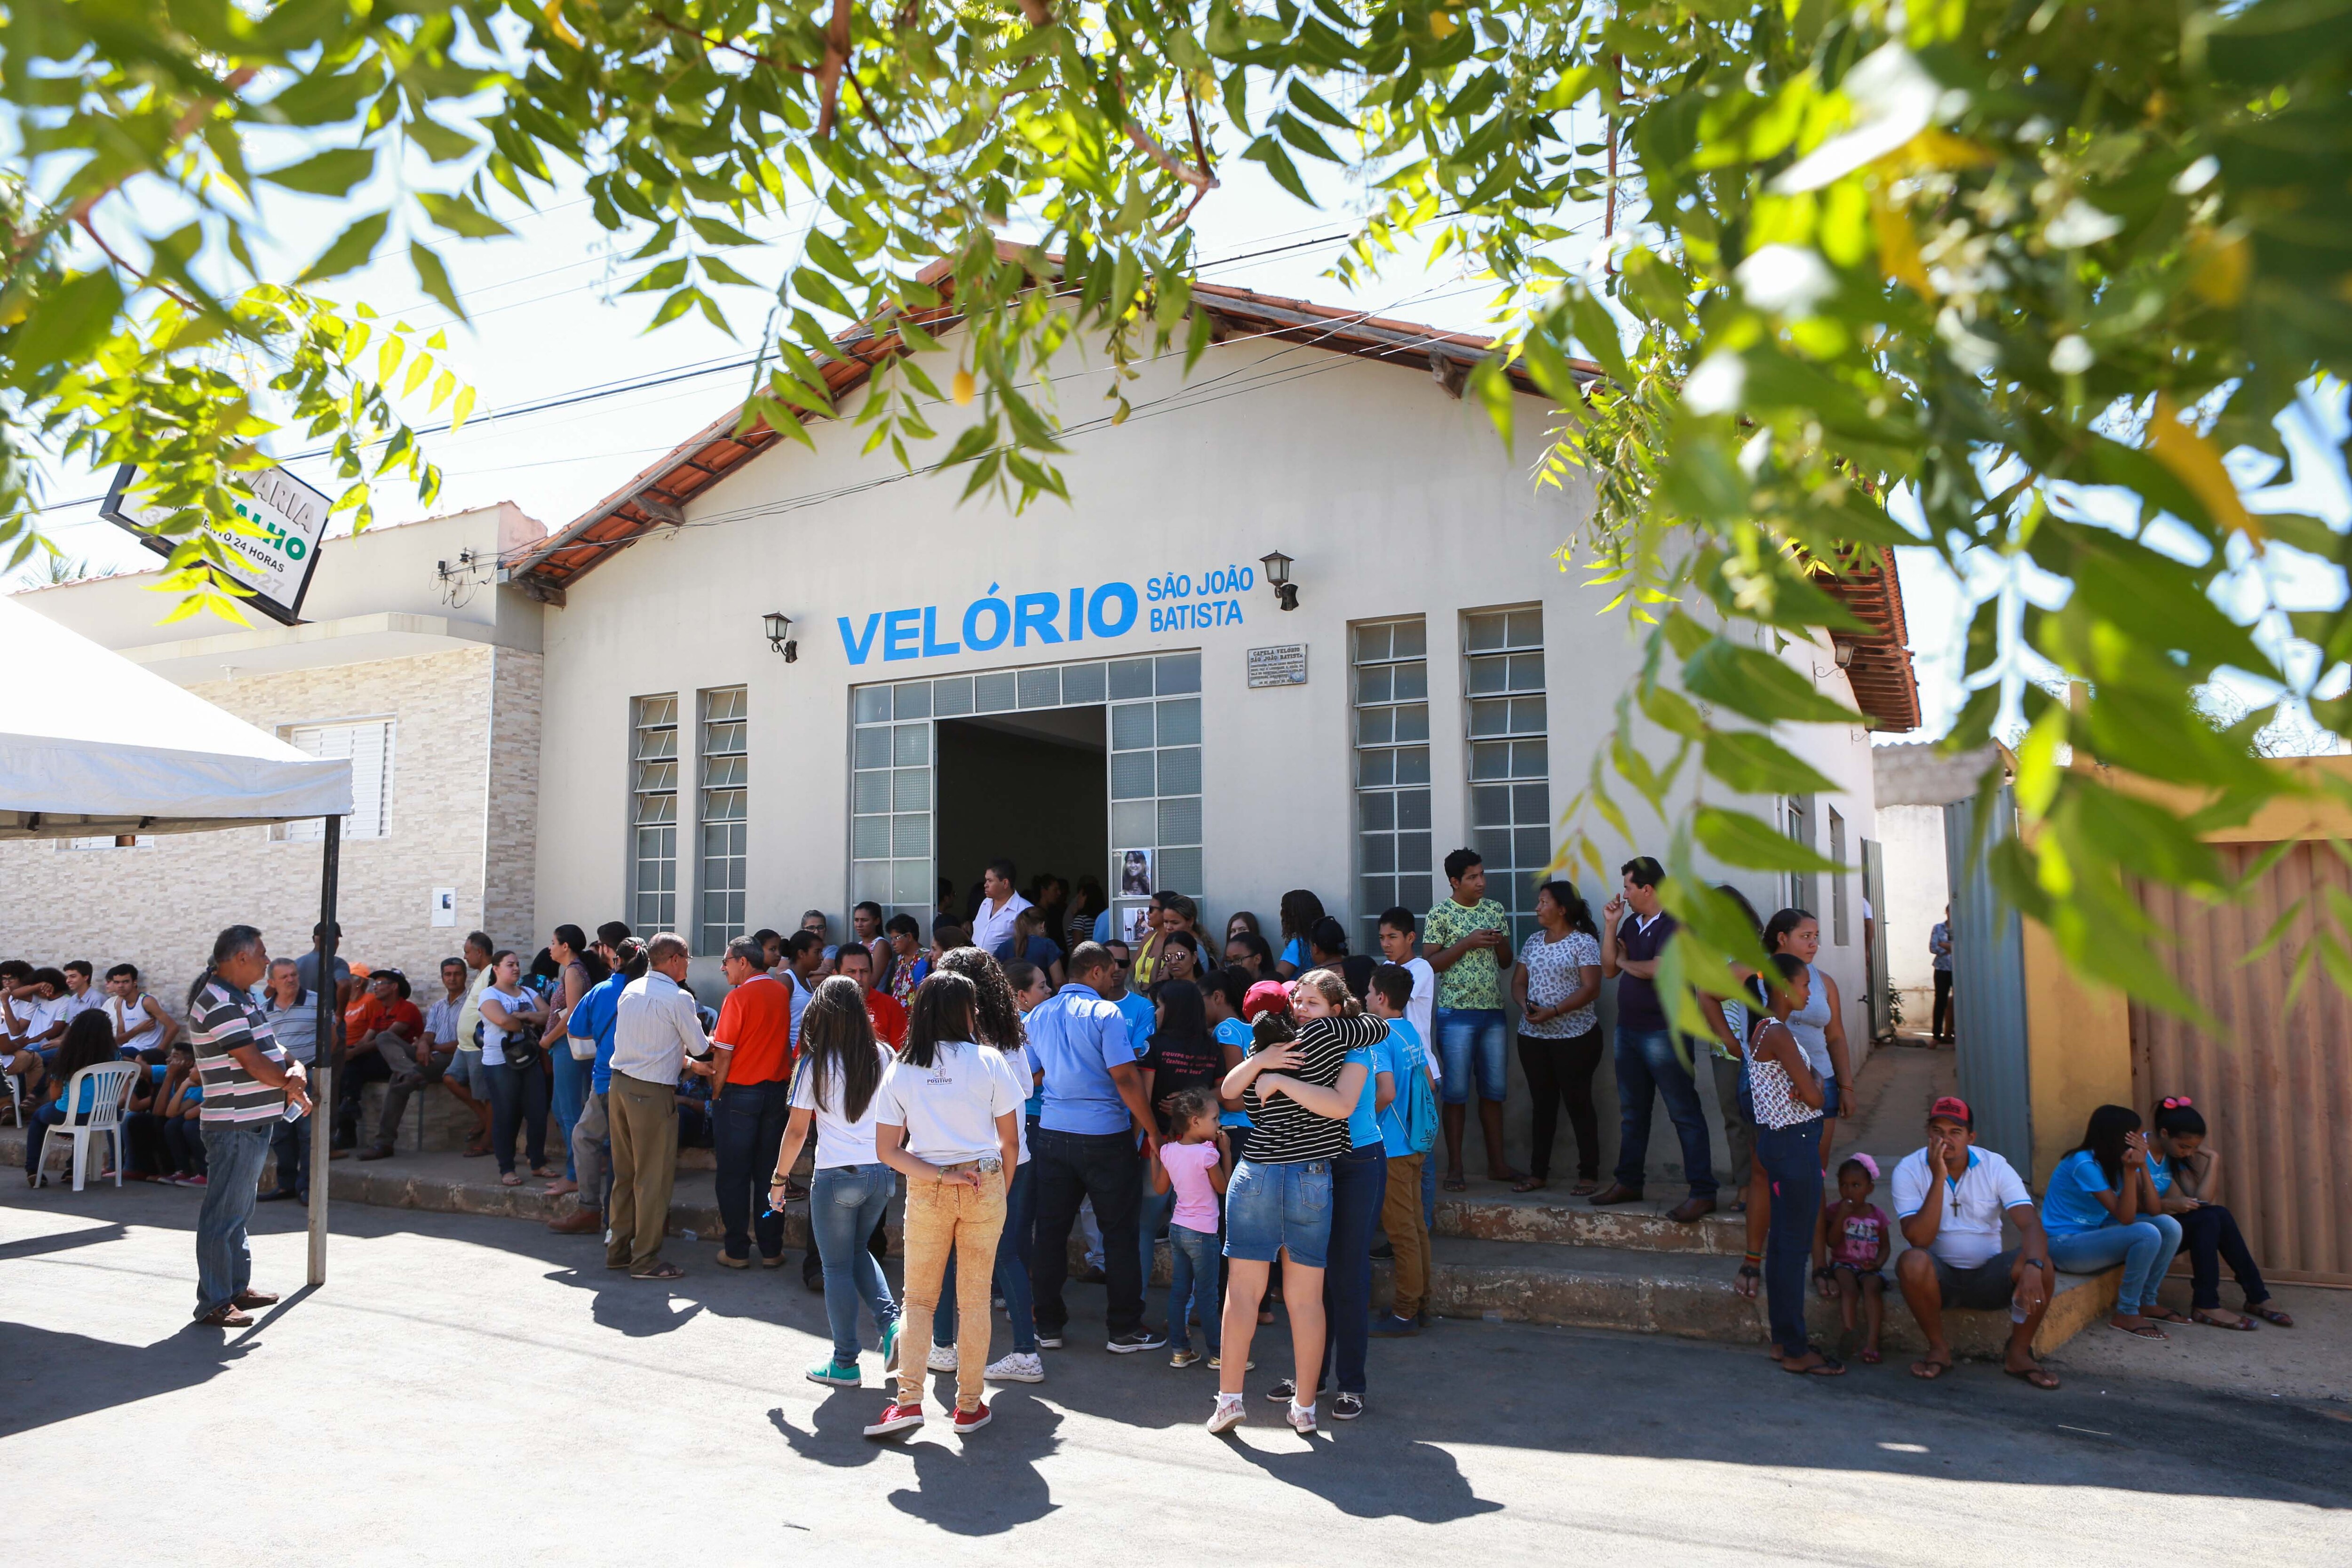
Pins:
x: 858, y: 648
x: 899, y: 634
x: 1119, y: 597
x: 1034, y: 612
x: 993, y: 607
x: 932, y: 646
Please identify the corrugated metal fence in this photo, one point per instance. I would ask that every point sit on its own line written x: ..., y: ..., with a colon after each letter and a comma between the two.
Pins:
x: 2275, y: 1086
x: 1989, y: 992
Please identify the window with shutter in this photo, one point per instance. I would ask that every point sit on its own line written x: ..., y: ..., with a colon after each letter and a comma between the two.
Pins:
x: 367, y: 743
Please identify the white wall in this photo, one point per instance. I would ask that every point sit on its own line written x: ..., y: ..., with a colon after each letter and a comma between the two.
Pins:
x: 1916, y: 892
x: 1393, y: 498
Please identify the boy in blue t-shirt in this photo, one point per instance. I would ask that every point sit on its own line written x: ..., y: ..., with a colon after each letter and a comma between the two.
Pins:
x: 1402, y: 1055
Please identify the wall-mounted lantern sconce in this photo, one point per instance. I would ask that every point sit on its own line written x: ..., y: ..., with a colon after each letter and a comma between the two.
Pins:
x: 780, y: 634
x: 1842, y: 650
x: 1277, y: 573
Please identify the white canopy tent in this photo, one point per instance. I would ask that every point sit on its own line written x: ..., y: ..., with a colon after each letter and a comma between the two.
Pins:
x: 107, y: 748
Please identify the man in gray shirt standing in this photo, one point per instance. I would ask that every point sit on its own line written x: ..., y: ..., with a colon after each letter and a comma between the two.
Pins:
x: 657, y: 1035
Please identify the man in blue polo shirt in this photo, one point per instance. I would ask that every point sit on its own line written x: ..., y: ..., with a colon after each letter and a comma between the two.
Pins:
x: 592, y: 1020
x: 1086, y: 1147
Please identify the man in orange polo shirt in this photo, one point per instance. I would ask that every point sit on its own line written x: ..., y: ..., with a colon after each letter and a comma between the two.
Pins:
x: 882, y: 1009
x: 751, y: 1096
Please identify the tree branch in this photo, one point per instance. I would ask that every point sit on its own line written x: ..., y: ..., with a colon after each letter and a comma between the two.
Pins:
x: 828, y: 71
x: 736, y: 49
x: 182, y: 129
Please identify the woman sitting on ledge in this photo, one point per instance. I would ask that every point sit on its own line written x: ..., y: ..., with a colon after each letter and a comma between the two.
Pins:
x: 2102, y: 1209
x: 2186, y: 1171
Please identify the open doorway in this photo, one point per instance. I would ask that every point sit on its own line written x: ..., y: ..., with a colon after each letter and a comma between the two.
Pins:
x: 1030, y: 787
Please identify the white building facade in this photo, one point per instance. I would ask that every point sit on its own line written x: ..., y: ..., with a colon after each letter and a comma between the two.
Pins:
x: 414, y: 662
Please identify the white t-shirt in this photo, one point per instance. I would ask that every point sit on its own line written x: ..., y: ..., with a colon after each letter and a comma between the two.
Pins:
x: 1972, y: 1236
x: 839, y: 1140
x: 949, y: 1109
x: 494, y: 1040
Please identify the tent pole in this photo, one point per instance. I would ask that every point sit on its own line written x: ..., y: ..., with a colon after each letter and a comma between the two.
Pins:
x: 322, y: 1075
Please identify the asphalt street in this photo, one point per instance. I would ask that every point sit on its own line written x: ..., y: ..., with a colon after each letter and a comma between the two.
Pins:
x: 475, y: 1389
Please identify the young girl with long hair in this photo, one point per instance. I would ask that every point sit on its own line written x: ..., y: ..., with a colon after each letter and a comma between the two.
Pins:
x: 996, y: 1018
x: 1788, y: 1096
x: 2102, y: 1208
x: 948, y: 1117
x: 2186, y: 1170
x: 834, y: 1088
x: 1299, y: 1088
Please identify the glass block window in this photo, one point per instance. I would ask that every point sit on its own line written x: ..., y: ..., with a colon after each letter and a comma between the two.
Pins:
x: 1154, y: 767
x: 890, y: 788
x: 1511, y: 763
x: 653, y: 814
x: 1837, y: 879
x: 723, y: 820
x: 368, y: 742
x: 1155, y: 775
x: 1392, y: 835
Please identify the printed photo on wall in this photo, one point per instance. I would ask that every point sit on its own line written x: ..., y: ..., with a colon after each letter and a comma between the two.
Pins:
x: 1134, y: 925
x: 1135, y: 874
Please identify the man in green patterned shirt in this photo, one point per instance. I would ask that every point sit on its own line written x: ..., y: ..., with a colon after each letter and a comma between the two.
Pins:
x: 1462, y: 938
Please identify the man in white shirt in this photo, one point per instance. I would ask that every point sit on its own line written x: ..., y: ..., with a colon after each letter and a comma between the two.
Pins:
x: 992, y: 924
x: 1400, y: 945
x: 1950, y: 1199
x: 32, y: 1011
x: 657, y: 1035
x: 142, y: 1027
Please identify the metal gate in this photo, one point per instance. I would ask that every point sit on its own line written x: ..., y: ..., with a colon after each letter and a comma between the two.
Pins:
x: 2275, y: 1085
x: 1874, y: 895
x: 1989, y: 990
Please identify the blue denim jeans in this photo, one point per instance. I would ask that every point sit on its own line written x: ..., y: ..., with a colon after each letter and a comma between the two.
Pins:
x: 747, y: 1126
x: 1466, y: 1036
x: 1359, y: 1183
x: 567, y: 1097
x: 291, y: 1142
x: 1193, y: 1288
x: 846, y: 1202
x: 2145, y: 1249
x: 1792, y: 1161
x: 1012, y: 1275
x: 1650, y: 1066
x: 234, y: 1155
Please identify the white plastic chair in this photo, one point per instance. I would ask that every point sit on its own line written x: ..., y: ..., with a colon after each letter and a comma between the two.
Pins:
x: 109, y: 1082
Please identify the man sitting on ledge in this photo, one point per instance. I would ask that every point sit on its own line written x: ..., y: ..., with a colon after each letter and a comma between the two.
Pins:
x: 1949, y: 1199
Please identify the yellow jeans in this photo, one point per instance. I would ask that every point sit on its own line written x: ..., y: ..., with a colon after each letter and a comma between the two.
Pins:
x: 944, y: 1216
x: 1401, y: 1217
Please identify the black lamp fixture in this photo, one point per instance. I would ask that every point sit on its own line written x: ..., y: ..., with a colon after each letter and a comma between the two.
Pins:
x: 780, y: 634
x: 1277, y: 573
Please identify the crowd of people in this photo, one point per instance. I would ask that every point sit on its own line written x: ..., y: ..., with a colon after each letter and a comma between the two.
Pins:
x: 1025, y: 1073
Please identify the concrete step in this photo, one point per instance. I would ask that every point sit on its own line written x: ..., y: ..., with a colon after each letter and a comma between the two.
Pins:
x: 1690, y: 1295
x: 1490, y: 1211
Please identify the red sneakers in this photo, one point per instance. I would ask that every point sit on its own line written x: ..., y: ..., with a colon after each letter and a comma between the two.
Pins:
x: 973, y: 1420
x: 896, y: 1418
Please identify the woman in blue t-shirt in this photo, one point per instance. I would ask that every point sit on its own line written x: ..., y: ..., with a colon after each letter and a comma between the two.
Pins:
x: 2102, y: 1209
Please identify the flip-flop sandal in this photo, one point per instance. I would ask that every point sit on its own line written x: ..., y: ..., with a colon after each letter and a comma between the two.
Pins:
x: 509, y: 1180
x: 2243, y: 1325
x: 1930, y: 1370
x: 664, y: 1270
x: 1871, y: 1358
x: 2270, y: 1314
x: 1583, y: 1189
x: 1828, y: 1366
x: 2039, y: 1377
x: 1454, y: 1183
x: 2146, y: 1331
x: 2166, y: 1315
x: 1529, y: 1184
x: 1748, y: 1272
